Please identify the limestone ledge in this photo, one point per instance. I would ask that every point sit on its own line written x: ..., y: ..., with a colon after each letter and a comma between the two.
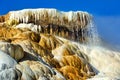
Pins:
x: 73, y: 25
x: 34, y: 45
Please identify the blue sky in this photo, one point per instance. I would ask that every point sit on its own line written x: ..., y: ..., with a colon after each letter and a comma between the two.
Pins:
x: 106, y: 12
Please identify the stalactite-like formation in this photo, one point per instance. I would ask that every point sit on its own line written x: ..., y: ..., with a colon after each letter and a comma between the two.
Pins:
x: 33, y: 46
x: 70, y: 25
x: 51, y: 16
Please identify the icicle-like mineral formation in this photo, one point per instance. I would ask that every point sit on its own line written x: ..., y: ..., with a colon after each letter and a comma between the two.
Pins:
x: 51, y: 16
x: 71, y: 25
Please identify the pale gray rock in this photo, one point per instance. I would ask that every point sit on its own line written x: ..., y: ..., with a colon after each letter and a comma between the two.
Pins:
x: 6, y: 61
x: 10, y: 74
x: 30, y: 26
x: 7, y: 68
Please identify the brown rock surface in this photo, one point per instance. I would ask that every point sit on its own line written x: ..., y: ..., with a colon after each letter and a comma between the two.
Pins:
x: 49, y: 42
x: 70, y: 25
x: 2, y: 19
x: 79, y: 68
x: 41, y: 54
x: 55, y: 52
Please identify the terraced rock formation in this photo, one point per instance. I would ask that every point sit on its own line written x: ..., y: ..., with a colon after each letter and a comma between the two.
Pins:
x: 34, y: 45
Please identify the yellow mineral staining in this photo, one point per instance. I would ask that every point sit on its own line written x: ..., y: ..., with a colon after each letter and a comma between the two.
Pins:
x: 11, y: 22
x: 35, y: 51
x: 49, y: 42
x: 70, y: 25
x: 12, y: 33
x: 56, y: 52
x: 71, y: 73
x: 43, y: 52
x: 7, y: 32
x: 65, y: 55
x: 28, y: 35
x: 74, y: 61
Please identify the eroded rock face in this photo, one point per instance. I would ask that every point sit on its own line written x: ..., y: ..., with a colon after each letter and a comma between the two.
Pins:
x: 34, y: 50
x: 71, y: 65
x: 2, y: 19
x: 15, y: 51
x: 70, y: 25
x: 49, y: 42
x: 48, y: 16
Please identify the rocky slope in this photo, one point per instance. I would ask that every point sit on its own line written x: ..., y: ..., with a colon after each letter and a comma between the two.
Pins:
x: 70, y: 25
x: 31, y: 47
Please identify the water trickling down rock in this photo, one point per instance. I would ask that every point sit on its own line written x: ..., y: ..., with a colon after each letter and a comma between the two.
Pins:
x: 36, y: 45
